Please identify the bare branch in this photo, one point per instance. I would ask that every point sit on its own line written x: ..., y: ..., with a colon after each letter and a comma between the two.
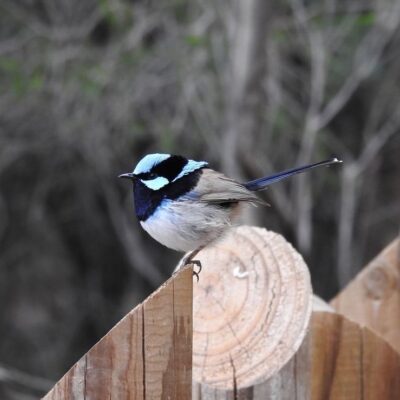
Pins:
x: 12, y: 375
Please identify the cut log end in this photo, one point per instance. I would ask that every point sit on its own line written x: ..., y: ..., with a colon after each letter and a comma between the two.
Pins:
x: 252, y: 307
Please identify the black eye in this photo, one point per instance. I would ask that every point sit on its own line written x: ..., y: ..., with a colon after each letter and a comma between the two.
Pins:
x: 147, y: 176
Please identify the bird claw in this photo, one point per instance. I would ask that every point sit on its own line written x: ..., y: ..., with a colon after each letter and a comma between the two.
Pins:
x: 198, y: 264
x: 196, y: 274
x: 187, y: 260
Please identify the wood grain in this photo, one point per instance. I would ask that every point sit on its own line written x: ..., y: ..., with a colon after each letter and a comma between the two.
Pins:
x: 251, y: 309
x: 338, y: 360
x: 373, y: 298
x: 147, y: 355
x: 350, y: 362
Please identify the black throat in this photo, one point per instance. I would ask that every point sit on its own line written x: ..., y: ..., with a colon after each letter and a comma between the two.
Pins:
x: 147, y: 200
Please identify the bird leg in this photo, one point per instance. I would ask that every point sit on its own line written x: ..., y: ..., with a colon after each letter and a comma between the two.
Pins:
x: 188, y: 259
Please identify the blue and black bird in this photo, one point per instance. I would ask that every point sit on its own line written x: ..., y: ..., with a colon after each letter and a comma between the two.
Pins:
x: 185, y: 205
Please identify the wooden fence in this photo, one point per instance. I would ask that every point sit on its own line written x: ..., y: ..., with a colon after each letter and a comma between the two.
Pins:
x: 251, y: 329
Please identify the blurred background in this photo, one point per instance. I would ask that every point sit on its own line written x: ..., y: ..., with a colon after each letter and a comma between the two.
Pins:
x: 89, y: 87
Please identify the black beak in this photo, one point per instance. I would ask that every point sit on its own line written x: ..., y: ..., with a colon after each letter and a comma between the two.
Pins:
x: 128, y: 175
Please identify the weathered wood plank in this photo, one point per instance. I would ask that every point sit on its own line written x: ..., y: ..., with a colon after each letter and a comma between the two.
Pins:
x: 350, y: 362
x: 147, y: 355
x: 373, y: 298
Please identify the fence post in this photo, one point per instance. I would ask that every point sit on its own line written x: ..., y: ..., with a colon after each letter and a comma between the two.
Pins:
x: 252, y: 336
x: 373, y: 298
x: 252, y: 307
x: 350, y: 362
x: 147, y: 355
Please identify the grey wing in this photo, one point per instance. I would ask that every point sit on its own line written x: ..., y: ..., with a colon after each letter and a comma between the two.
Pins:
x: 214, y: 187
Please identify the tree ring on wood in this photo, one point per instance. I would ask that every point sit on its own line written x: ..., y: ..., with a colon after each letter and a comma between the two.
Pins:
x: 245, y: 328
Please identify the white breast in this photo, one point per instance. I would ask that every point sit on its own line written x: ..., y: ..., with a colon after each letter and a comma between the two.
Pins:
x: 185, y: 225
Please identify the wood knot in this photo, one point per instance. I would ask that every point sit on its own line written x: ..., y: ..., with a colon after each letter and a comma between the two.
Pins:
x: 379, y: 281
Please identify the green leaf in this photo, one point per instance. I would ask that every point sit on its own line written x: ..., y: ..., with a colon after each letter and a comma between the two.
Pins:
x: 195, y: 40
x: 107, y: 12
x: 366, y: 19
x: 8, y: 64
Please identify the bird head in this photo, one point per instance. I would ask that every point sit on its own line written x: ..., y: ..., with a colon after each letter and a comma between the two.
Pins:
x: 156, y: 171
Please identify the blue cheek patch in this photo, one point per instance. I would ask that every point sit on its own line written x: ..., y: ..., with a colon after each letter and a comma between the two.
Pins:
x: 157, y: 183
x: 190, y: 167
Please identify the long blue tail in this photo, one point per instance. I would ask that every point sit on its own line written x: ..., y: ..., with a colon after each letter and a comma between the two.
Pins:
x: 262, y: 183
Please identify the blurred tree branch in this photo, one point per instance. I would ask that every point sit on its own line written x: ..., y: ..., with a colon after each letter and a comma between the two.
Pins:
x: 34, y: 384
x: 87, y: 88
